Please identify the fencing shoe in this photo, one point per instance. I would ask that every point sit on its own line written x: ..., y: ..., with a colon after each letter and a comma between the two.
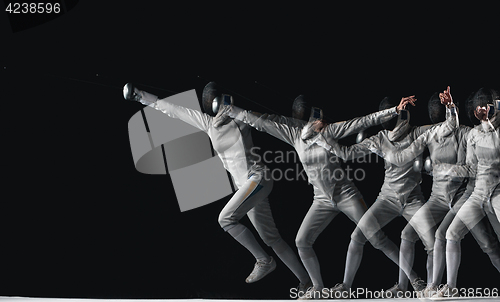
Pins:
x: 395, y: 292
x: 429, y: 291
x: 260, y: 270
x: 418, y: 284
x: 339, y: 291
x: 302, y: 288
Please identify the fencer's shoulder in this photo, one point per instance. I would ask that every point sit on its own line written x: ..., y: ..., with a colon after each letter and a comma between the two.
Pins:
x: 378, y: 136
x: 464, y: 129
x: 476, y: 128
x: 474, y: 133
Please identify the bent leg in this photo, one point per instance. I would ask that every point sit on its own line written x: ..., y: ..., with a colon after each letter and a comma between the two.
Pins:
x: 253, y: 190
x: 354, y: 207
x: 370, y: 227
x: 468, y: 215
x: 262, y: 219
x: 320, y: 214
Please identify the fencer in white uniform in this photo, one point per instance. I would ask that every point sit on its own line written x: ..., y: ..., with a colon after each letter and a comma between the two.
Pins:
x: 232, y: 141
x: 333, y: 191
x: 446, y: 144
x: 483, y: 163
x: 400, y: 194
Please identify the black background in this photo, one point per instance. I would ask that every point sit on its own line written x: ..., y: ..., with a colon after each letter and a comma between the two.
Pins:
x: 78, y: 220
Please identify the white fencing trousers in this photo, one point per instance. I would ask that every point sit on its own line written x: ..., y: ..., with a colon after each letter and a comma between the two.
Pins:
x: 471, y: 213
x: 251, y: 199
x: 347, y: 199
x: 482, y: 231
x: 383, y: 211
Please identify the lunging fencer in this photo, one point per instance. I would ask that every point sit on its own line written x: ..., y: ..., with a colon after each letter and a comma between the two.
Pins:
x: 483, y: 164
x: 446, y: 145
x: 400, y: 195
x: 332, y: 193
x: 232, y: 141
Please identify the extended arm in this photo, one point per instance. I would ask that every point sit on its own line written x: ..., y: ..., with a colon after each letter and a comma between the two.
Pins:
x: 193, y: 117
x: 367, y: 146
x: 190, y: 116
x: 277, y: 126
x: 355, y: 125
x: 342, y: 129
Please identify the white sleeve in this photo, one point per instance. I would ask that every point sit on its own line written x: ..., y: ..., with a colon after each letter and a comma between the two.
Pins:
x: 195, y: 118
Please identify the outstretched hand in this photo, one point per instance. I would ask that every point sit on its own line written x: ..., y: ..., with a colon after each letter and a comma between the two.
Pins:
x: 446, y: 98
x: 405, y: 101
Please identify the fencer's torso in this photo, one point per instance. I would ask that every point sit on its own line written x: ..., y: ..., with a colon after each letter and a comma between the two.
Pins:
x: 233, y: 144
x: 483, y: 151
x: 447, y: 149
x: 399, y: 181
x: 232, y: 141
x: 322, y: 168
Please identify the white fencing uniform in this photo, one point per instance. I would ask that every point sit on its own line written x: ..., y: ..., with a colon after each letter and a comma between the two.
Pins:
x: 233, y: 142
x: 483, y: 163
x: 447, y: 146
x: 483, y: 158
x: 333, y: 192
x: 400, y: 194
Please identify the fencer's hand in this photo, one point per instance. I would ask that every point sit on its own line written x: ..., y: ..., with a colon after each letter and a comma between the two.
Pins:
x: 225, y: 110
x: 318, y: 125
x: 481, y: 113
x: 405, y: 101
x: 222, y: 115
x: 446, y: 98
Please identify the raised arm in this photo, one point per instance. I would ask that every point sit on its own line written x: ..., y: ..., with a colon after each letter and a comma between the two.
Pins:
x: 342, y: 129
x: 466, y: 157
x: 452, y: 121
x: 418, y: 146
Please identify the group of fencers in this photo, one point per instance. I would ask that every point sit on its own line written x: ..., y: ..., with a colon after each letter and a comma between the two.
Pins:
x: 464, y: 163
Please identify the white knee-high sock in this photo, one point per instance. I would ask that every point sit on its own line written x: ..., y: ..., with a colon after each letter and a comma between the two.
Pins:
x: 286, y: 254
x: 311, y: 263
x: 245, y: 237
x: 453, y: 257
x: 391, y: 251
x: 439, y: 261
x: 352, y: 262
x: 406, y: 258
x: 430, y: 267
